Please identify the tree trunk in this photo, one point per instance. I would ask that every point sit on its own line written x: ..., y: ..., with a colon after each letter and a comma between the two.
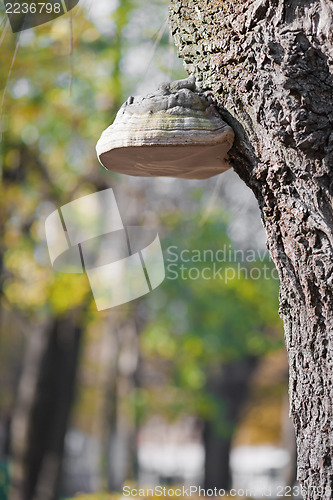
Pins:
x: 42, y: 410
x: 268, y: 65
x: 122, y: 426
x: 230, y: 387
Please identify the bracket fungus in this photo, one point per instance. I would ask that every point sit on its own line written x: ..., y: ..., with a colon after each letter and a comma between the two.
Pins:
x: 174, y: 132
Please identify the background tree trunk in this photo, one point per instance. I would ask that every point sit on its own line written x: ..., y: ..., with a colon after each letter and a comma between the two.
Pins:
x: 268, y: 66
x: 42, y: 411
x: 230, y: 386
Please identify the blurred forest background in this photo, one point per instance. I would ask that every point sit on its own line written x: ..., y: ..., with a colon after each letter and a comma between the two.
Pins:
x: 158, y: 391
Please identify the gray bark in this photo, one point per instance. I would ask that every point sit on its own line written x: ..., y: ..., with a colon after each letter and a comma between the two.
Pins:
x: 268, y: 66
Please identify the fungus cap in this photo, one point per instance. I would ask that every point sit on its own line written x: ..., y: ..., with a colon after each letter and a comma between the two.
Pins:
x: 174, y: 132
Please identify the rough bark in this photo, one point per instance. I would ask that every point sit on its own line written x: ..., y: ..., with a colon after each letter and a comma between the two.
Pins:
x: 268, y: 65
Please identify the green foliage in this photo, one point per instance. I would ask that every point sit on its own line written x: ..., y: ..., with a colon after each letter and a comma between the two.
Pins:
x: 197, y: 324
x: 48, y: 141
x: 4, y: 480
x: 47, y: 147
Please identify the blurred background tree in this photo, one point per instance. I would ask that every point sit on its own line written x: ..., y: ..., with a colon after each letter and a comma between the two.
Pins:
x: 209, y: 324
x: 60, y: 89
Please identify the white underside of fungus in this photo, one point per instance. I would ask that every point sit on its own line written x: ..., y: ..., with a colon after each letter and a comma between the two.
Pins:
x: 174, y: 132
